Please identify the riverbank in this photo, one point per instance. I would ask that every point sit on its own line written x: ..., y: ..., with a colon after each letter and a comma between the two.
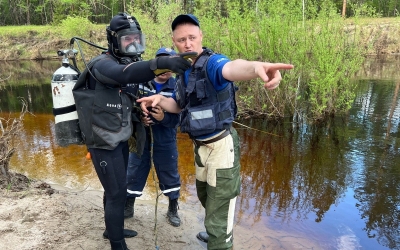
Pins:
x: 36, y: 215
x: 377, y: 35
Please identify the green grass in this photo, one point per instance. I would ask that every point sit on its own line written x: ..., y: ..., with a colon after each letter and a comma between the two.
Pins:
x: 22, y: 30
x: 370, y: 20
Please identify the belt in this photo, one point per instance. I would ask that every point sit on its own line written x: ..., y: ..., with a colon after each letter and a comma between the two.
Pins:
x: 204, y: 143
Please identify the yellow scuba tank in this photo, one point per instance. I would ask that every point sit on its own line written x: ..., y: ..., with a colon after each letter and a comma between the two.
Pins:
x: 66, y: 118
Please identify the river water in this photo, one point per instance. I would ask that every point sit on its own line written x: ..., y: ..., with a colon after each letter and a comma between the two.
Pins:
x: 335, y: 184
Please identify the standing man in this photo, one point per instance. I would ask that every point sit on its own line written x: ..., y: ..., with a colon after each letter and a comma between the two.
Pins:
x: 104, y: 112
x: 161, y: 130
x: 205, y: 97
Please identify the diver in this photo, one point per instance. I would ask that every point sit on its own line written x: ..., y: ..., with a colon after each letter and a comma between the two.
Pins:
x: 105, y: 113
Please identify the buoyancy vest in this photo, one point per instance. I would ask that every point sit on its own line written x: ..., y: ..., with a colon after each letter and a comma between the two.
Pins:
x: 204, y: 110
x: 104, y: 113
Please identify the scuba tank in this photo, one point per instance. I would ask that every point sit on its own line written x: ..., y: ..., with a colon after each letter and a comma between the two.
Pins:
x: 67, y: 128
x: 66, y: 118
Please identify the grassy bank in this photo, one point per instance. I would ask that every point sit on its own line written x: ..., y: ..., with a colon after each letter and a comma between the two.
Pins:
x: 378, y: 36
x: 39, y: 42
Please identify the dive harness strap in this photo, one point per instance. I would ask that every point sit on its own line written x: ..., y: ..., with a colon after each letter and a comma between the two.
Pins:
x: 64, y: 110
x: 125, y: 106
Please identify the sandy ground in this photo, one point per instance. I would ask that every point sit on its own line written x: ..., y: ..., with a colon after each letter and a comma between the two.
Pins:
x: 36, y: 215
x: 52, y: 217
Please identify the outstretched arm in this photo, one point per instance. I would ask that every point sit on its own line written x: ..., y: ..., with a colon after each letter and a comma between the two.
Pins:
x: 242, y: 70
x: 110, y: 72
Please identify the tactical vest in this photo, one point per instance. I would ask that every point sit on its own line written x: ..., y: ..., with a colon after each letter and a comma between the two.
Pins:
x: 104, y: 113
x: 204, y: 110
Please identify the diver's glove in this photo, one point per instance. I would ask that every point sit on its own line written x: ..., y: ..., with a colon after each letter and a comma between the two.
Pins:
x: 178, y: 64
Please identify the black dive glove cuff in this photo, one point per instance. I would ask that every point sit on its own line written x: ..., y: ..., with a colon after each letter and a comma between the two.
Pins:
x: 164, y: 64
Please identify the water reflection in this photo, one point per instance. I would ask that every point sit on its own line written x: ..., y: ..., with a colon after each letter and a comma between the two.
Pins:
x: 381, y: 68
x: 28, y: 79
x: 39, y: 157
x: 378, y: 183
x: 293, y: 173
x: 334, y: 183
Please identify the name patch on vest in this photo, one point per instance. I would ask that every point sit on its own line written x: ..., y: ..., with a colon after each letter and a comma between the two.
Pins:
x: 203, y: 114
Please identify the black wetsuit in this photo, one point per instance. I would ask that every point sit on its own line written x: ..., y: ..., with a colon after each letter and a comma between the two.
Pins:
x: 106, y: 120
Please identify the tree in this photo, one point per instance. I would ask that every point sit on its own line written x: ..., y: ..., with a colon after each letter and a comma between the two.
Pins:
x: 344, y: 9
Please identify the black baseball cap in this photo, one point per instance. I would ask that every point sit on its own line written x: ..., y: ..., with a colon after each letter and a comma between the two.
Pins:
x: 185, y: 18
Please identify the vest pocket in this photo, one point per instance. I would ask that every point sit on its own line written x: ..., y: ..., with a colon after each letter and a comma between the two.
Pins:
x: 201, y: 120
x: 201, y: 89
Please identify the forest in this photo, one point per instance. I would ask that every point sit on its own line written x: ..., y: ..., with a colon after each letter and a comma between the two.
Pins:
x: 44, y: 12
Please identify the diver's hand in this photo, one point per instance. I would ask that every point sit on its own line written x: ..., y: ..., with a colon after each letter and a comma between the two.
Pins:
x: 146, y: 120
x: 164, y: 64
